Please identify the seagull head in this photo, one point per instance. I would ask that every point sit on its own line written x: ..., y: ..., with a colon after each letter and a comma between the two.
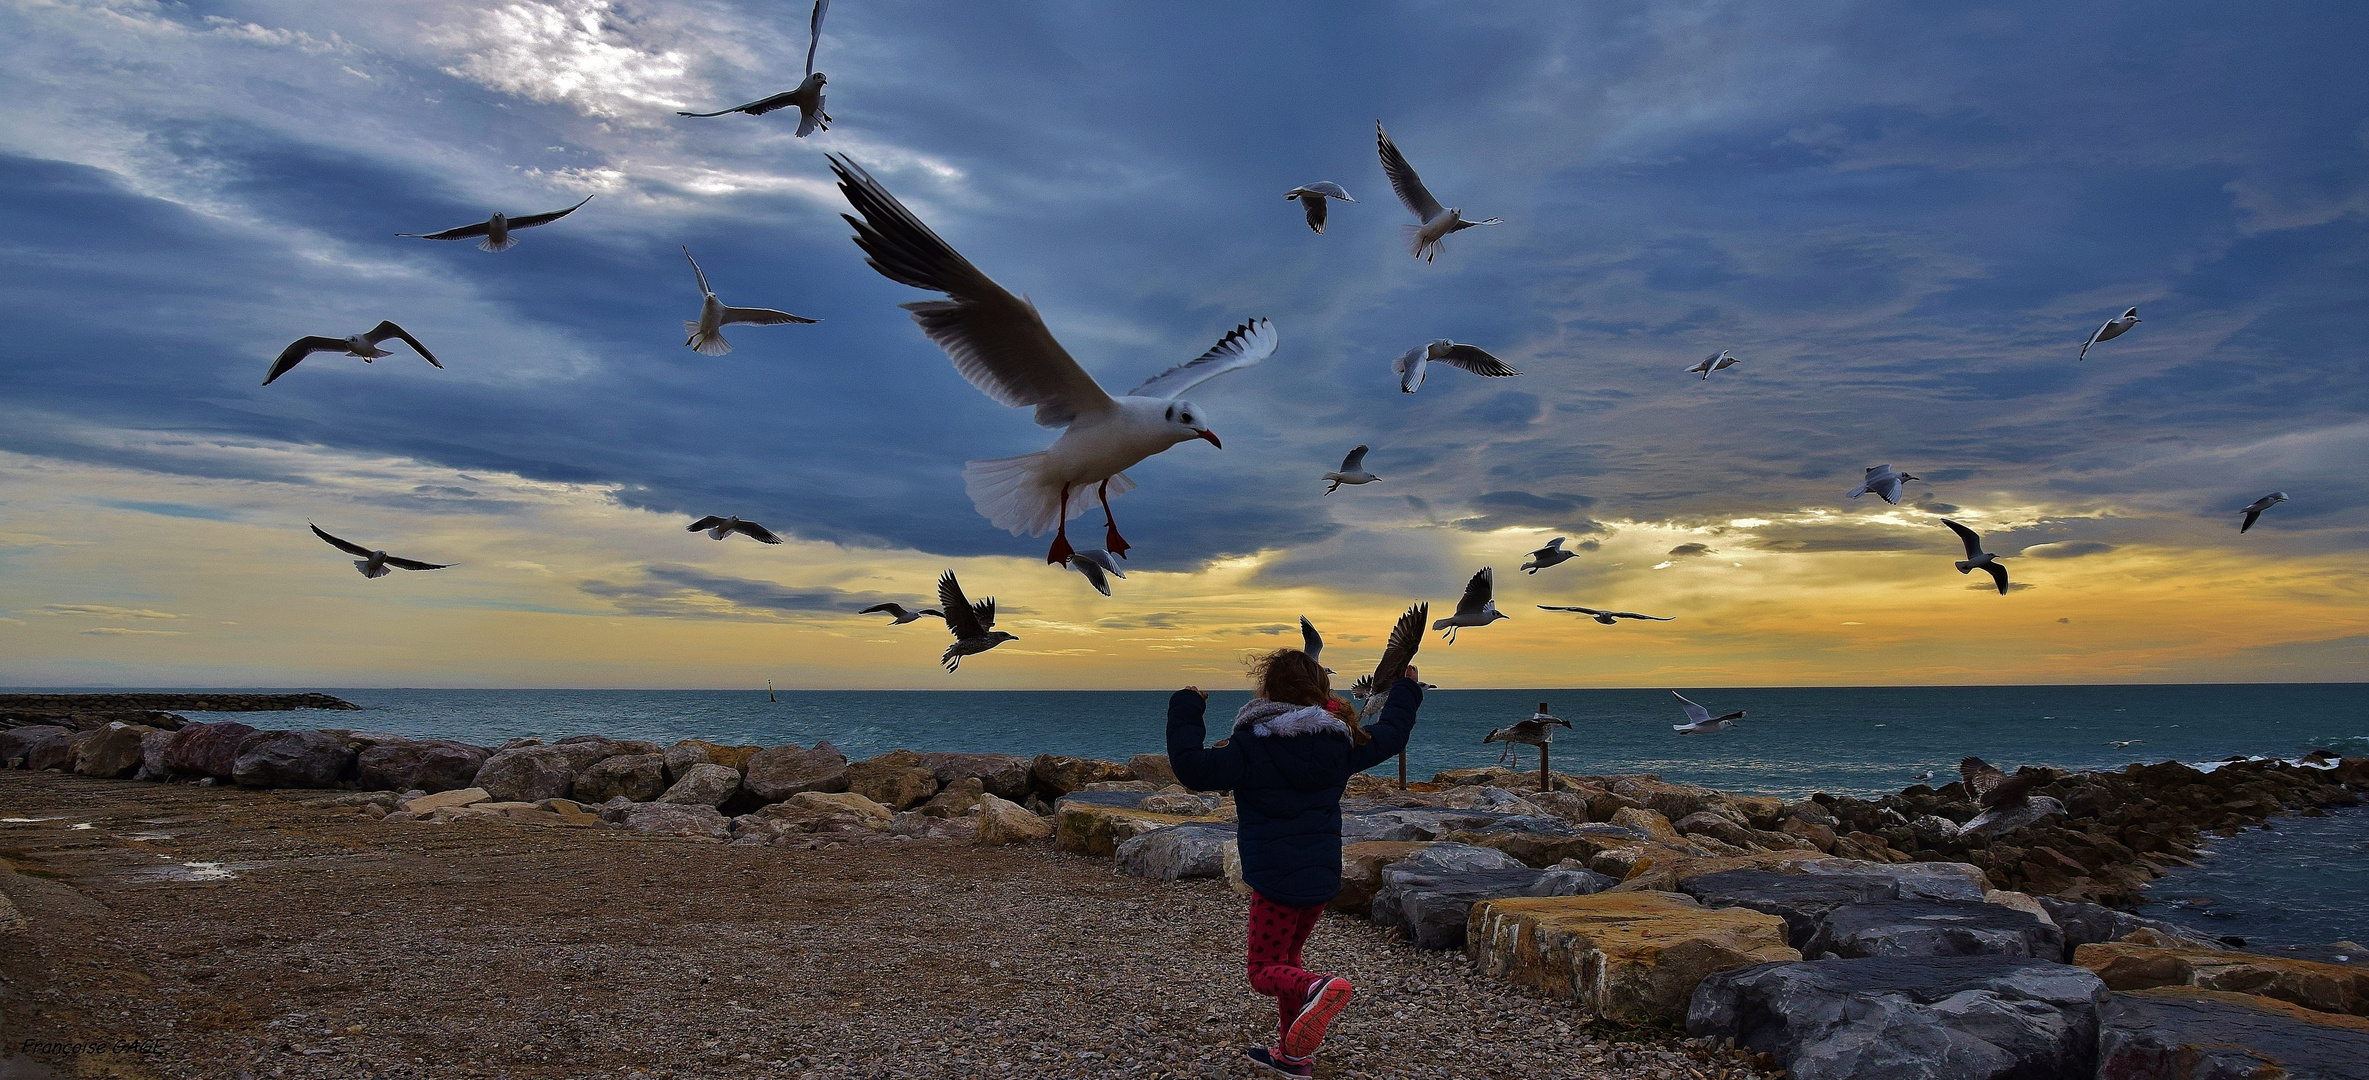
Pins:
x: 1190, y: 423
x: 998, y: 637
x: 2278, y: 496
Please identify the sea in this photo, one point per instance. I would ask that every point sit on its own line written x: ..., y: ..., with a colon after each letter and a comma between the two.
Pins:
x: 2299, y: 881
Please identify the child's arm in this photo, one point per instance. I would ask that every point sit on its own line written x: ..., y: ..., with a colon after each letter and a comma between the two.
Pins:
x: 1195, y: 767
x: 1391, y: 731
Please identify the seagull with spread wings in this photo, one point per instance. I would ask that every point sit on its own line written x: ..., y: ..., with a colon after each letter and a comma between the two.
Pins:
x: 1000, y: 343
x: 2007, y: 802
x: 1883, y: 483
x: 1398, y: 659
x: 1416, y: 363
x: 808, y: 97
x: 1352, y: 472
x: 497, y: 229
x: 1699, y: 720
x: 1976, y: 556
x: 1312, y: 643
x: 901, y: 616
x: 1312, y: 198
x: 718, y: 528
x: 2253, y: 510
x: 1097, y: 566
x: 1538, y: 731
x: 707, y: 331
x: 374, y: 564
x: 2113, y: 329
x: 1477, y: 608
x: 1550, y: 555
x: 364, y: 345
x: 1714, y: 362
x: 1438, y: 221
x: 973, y: 625
x: 1605, y: 617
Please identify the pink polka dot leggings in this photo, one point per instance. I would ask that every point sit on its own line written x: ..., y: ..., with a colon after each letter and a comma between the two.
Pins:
x: 1276, y: 934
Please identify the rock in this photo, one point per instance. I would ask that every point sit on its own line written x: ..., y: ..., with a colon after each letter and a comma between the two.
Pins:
x: 1819, y: 835
x: 1430, y: 906
x: 1002, y: 821
x: 1626, y: 957
x: 957, y: 799
x: 2186, y: 1034
x: 1718, y: 827
x: 1004, y: 776
x: 1915, y: 880
x: 1493, y: 799
x: 112, y: 751
x: 1760, y: 812
x: 1933, y: 928
x: 776, y: 773
x: 1671, y: 801
x: 896, y: 779
x: 152, y: 756
x: 640, y: 777
x: 1180, y: 803
x: 56, y: 751
x: 2088, y: 924
x: 291, y: 759
x: 1922, y: 1018
x: 1545, y: 849
x: 527, y: 774
x: 702, y: 784
x: 456, y: 797
x: 1446, y: 857
x: 1055, y: 776
x: 16, y: 744
x: 676, y: 819
x: 2331, y: 988
x: 585, y: 751
x: 1568, y: 805
x: 571, y: 812
x: 206, y: 749
x: 1361, y: 870
x: 1801, y: 900
x: 1191, y: 850
x: 842, y: 802
x: 1649, y: 822
x: 1153, y: 769
x: 419, y: 764
x: 1424, y: 823
x: 681, y: 756
x: 1234, y: 879
x: 1086, y: 828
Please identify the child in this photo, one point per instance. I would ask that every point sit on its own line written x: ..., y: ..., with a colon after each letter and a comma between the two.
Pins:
x: 1290, y: 756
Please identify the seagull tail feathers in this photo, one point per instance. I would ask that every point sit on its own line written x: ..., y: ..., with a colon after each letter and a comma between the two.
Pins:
x: 491, y: 244
x: 1421, y: 246
x: 1021, y: 495
x: 364, y: 566
x: 1965, y: 567
x: 708, y: 344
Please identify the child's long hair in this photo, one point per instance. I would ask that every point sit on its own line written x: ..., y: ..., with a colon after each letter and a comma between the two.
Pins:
x: 1290, y: 677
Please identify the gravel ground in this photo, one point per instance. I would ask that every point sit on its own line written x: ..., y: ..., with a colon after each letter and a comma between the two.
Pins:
x: 336, y: 947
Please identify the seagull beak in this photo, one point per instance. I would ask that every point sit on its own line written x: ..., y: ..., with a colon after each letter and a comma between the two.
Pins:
x: 1209, y: 435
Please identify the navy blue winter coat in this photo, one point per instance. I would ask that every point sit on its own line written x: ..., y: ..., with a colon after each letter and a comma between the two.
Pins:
x: 1287, y: 790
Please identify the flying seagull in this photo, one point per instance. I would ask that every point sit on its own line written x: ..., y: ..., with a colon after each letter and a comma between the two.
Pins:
x: 1437, y: 221
x: 808, y: 97
x: 973, y: 624
x: 1098, y: 567
x: 1923, y: 776
x: 374, y: 564
x: 2007, y: 802
x: 1884, y: 483
x: 1699, y: 720
x: 1976, y: 556
x: 2125, y: 744
x: 1606, y: 617
x: 1406, y: 637
x: 1476, y: 608
x: 497, y: 229
x: 721, y: 527
x: 1312, y: 198
x: 2253, y: 510
x: 707, y: 332
x: 1416, y: 363
x: 1538, y: 731
x: 999, y: 343
x: 364, y: 345
x: 1312, y: 643
x: 2113, y: 329
x: 1550, y: 555
x: 1352, y: 472
x: 902, y: 616
x: 1713, y: 362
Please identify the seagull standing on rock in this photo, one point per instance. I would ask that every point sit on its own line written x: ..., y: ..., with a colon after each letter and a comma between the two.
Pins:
x: 1884, y: 483
x: 1699, y: 720
x: 707, y: 331
x: 1714, y: 362
x: 364, y: 345
x: 2006, y: 801
x: 1477, y: 608
x: 1538, y: 731
x: 973, y: 625
x: 2113, y: 329
x: 1352, y: 472
x: 718, y: 528
x: 808, y: 97
x: 374, y: 564
x: 898, y: 613
x: 497, y: 229
x: 1550, y: 555
x: 1976, y: 556
x: 1416, y: 363
x: 999, y: 343
x: 1312, y: 196
x: 1438, y: 221
x: 2253, y: 510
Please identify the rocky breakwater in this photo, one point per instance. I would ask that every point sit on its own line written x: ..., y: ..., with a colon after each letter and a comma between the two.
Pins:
x: 83, y: 712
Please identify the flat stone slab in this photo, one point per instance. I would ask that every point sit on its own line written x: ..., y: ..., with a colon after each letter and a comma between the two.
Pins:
x: 2331, y: 988
x: 1191, y: 850
x: 1933, y: 928
x: 1431, y: 906
x: 1633, y: 957
x: 2188, y: 1034
x: 1799, y: 899
x: 1083, y: 826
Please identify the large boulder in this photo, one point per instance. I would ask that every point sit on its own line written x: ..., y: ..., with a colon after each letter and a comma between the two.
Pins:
x: 897, y: 779
x: 2326, y: 987
x: 16, y: 743
x: 1538, y: 844
x: 57, y: 751
x: 206, y: 749
x: 1627, y: 957
x: 527, y: 774
x: 1430, y: 906
x: 1362, y: 864
x: 2186, y: 1034
x: 1933, y: 928
x: 778, y: 772
x: 1055, y: 776
x: 1153, y: 769
x: 1005, y: 776
x: 1914, y: 880
x: 682, y: 755
x: 1082, y: 827
x: 112, y: 751
x: 676, y: 819
x: 291, y: 759
x: 418, y: 765
x: 956, y: 799
x: 640, y: 777
x: 585, y: 751
x: 1004, y: 822
x: 2089, y: 924
x: 152, y: 756
x: 1920, y: 1018
x: 704, y: 784
x: 1799, y: 899
x: 1192, y: 850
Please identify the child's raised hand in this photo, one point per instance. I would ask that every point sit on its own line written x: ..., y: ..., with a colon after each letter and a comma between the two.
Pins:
x: 1204, y: 693
x: 1409, y: 673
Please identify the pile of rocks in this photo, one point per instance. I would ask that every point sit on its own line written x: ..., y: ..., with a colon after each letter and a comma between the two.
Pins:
x: 81, y: 712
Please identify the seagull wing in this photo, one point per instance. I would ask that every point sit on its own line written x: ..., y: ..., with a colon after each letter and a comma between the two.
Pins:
x: 757, y: 532
x: 1408, y: 359
x: 984, y: 612
x: 1363, y: 688
x: 1405, y: 638
x: 1311, y: 642
x: 697, y: 273
x: 1403, y: 180
x: 347, y: 546
x: 1634, y: 615
x: 1242, y: 346
x: 1314, y: 205
x: 1477, y: 591
x: 414, y: 564
x: 704, y: 524
x: 1355, y: 462
x: 1581, y: 610
x: 2094, y: 339
x: 1887, y: 489
x: 1695, y: 714
x: 2015, y: 787
x: 1092, y: 570
x: 532, y: 220
x: 897, y: 610
x: 1327, y: 187
x: 1999, y: 573
x: 996, y: 340
x: 297, y: 351
x: 385, y: 330
x: 2252, y: 516
x: 1973, y: 540
x: 762, y: 316
x: 1981, y: 779
x: 461, y: 232
x: 759, y: 107
x: 815, y: 32
x: 961, y: 618
x: 1473, y: 359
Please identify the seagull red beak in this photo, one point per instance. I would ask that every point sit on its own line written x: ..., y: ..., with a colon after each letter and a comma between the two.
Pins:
x: 1211, y: 436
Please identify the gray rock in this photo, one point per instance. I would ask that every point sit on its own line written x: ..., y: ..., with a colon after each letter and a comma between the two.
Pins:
x: 2090, y: 924
x: 2348, y: 954
x: 527, y: 774
x: 778, y: 772
x: 1153, y: 768
x: 1799, y: 899
x: 206, y: 749
x: 429, y: 765
x: 1447, y: 858
x: 2170, y: 1035
x: 1121, y: 800
x: 1002, y: 775
x: 112, y: 751
x: 56, y: 751
x: 640, y: 777
x: 1429, y: 823
x: 17, y: 743
x: 585, y: 751
x: 703, y: 784
x: 1932, y: 830
x: 681, y: 756
x: 1192, y: 850
x: 959, y: 798
x: 675, y: 819
x: 1933, y: 928
x: 1429, y: 907
x: 152, y: 756
x: 1926, y: 1018
x: 291, y: 759
x: 1916, y: 880
x: 1717, y: 826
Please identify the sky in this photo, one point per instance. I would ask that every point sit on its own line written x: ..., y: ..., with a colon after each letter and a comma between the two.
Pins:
x: 1905, y: 219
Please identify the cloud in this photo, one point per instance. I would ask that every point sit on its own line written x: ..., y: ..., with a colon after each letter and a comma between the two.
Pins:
x: 1155, y: 620
x: 684, y: 592
x: 104, y: 611
x: 1521, y: 509
x: 117, y: 631
x: 2066, y: 549
x: 1688, y: 551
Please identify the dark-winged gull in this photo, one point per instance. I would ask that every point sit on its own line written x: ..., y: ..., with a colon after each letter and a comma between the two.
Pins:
x: 901, y: 616
x: 1714, y: 362
x: 999, y: 343
x: 720, y: 527
x: 1312, y: 196
x: 2113, y: 329
x: 1538, y: 731
x: 1550, y: 555
x: 1438, y: 221
x: 1352, y: 471
x: 1699, y: 720
x: 973, y: 625
x: 1097, y: 566
x: 364, y: 345
x: 2007, y: 802
x: 1476, y: 608
x: 2253, y: 510
x: 497, y: 229
x: 374, y: 564
x: 808, y: 97
x: 1976, y: 556
x: 1605, y: 617
x: 1312, y: 643
x: 1415, y: 363
x: 1883, y: 483
x: 707, y: 331
x: 1398, y: 658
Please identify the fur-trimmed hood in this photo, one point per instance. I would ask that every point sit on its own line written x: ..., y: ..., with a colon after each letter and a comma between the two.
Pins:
x: 1276, y: 718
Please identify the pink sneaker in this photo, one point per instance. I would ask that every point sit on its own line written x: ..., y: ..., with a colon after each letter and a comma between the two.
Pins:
x: 1326, y: 999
